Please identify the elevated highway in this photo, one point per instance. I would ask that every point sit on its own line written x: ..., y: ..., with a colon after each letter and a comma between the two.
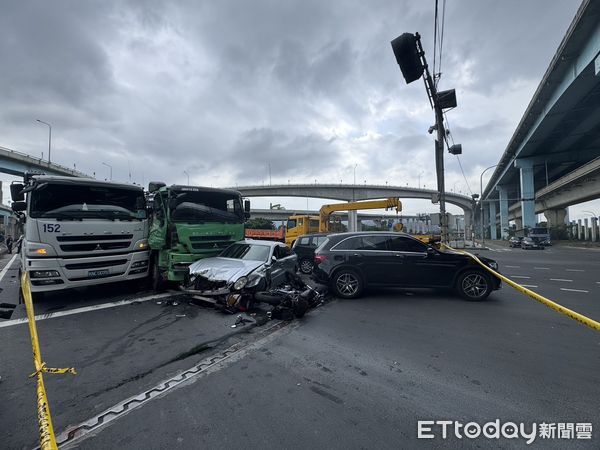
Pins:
x: 558, y: 135
x: 350, y: 192
x: 17, y: 163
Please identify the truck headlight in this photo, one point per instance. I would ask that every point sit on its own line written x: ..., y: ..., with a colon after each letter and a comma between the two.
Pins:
x: 142, y: 244
x: 34, y: 249
x: 44, y: 274
x: 240, y: 283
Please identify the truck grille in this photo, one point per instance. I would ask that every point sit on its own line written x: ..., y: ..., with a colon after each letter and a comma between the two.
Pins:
x: 94, y: 246
x: 95, y: 265
x: 87, y: 238
x: 210, y: 245
x: 210, y: 238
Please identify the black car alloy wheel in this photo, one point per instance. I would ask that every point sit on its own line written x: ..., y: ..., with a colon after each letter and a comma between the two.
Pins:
x: 347, y: 284
x: 474, y: 285
x: 306, y: 266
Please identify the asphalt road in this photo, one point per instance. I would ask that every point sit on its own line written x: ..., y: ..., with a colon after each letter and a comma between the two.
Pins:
x: 352, y: 374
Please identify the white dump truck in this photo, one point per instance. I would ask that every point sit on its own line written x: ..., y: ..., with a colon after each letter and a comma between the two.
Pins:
x: 80, y: 231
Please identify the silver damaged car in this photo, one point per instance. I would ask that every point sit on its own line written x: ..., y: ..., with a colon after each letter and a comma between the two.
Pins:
x: 242, y: 269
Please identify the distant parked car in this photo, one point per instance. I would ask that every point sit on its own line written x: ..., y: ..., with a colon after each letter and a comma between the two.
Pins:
x: 515, y: 241
x: 349, y: 262
x: 305, y: 247
x: 527, y: 243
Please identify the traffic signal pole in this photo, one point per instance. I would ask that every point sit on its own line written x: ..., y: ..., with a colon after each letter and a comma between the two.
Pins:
x: 439, y: 142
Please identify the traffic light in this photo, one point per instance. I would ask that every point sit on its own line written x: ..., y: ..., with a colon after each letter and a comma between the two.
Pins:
x: 408, y: 57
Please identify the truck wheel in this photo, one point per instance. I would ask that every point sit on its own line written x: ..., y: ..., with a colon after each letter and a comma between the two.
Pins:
x: 158, y: 281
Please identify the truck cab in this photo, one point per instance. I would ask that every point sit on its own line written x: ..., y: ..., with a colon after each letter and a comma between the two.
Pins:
x: 80, y: 232
x: 189, y: 223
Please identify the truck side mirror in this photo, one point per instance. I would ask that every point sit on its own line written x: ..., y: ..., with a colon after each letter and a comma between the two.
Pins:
x: 18, y: 206
x: 154, y: 186
x: 16, y: 192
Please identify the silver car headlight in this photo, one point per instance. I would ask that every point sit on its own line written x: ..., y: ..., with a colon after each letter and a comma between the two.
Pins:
x: 240, y: 283
x: 253, y: 280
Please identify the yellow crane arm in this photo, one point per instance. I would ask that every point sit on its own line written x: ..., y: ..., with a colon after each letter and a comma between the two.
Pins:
x: 327, y: 210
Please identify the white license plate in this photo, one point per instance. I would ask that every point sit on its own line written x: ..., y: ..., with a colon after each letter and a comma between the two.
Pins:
x: 98, y: 273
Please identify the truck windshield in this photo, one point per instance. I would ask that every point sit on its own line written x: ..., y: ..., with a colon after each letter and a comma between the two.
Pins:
x: 198, y: 207
x: 80, y: 201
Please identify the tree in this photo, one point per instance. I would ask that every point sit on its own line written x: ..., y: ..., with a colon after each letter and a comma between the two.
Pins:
x: 260, y: 224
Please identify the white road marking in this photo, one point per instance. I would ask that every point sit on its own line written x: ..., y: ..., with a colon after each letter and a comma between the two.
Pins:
x: 542, y: 268
x: 560, y: 279
x: 575, y: 270
x: 7, y: 266
x: 69, y: 312
x: 513, y: 267
x: 574, y: 290
x: 518, y: 276
x: 529, y: 285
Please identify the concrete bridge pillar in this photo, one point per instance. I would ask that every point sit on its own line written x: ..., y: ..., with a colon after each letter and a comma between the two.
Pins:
x: 352, y: 221
x: 358, y: 224
x: 519, y: 223
x: 527, y: 192
x: 468, y: 224
x: 493, y: 234
x: 503, y: 211
x: 586, y: 230
x: 555, y: 217
x: 579, y: 230
x: 594, y: 229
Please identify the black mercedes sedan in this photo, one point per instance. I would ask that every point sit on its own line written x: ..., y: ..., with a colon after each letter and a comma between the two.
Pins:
x: 349, y: 262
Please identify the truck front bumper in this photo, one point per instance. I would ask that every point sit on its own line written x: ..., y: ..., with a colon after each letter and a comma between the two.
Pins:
x: 55, y: 274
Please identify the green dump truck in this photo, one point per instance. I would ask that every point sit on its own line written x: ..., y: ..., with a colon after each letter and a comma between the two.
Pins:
x: 189, y: 223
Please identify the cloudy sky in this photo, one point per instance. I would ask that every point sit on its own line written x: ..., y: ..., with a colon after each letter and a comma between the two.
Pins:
x: 223, y: 89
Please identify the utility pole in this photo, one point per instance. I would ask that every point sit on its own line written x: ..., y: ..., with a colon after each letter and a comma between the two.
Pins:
x: 410, y: 56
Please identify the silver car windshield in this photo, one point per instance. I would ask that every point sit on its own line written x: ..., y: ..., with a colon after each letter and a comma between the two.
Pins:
x: 253, y: 252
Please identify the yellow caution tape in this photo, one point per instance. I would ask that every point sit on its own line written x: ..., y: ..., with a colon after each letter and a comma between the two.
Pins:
x: 46, y: 430
x: 534, y: 295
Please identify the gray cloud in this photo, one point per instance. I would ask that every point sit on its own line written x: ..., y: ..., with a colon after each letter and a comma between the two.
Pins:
x: 222, y: 89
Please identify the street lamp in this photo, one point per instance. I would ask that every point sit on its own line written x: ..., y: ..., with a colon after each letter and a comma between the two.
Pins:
x: 481, y: 199
x: 188, y: 176
x: 110, y: 167
x: 49, y: 136
x: 355, y: 166
x: 420, y: 173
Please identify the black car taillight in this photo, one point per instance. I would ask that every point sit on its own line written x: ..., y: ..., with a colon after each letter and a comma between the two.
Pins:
x: 319, y: 259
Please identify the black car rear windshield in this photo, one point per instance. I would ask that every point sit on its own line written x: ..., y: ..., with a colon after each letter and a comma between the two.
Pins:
x: 76, y: 201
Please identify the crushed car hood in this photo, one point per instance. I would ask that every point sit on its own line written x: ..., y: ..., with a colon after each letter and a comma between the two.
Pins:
x: 223, y: 269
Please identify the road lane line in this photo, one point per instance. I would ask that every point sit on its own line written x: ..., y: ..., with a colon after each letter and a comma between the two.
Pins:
x: 7, y: 266
x: 575, y: 270
x: 70, y: 312
x: 513, y: 267
x: 574, y: 290
x: 519, y: 276
x: 542, y: 268
x: 560, y: 279
x: 529, y: 285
